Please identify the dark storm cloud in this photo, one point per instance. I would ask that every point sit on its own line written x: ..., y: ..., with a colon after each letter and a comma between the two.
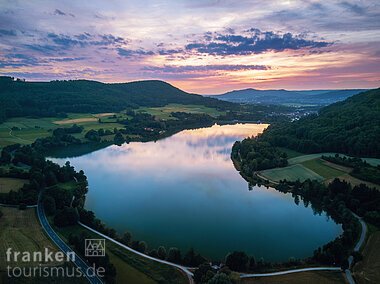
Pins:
x: 7, y: 32
x: 169, y: 51
x: 66, y: 41
x: 63, y: 42
x: 130, y: 52
x: 61, y: 13
x: 18, y: 60
x: 253, y: 41
x: 22, y: 60
x: 203, y: 68
x: 354, y: 8
x: 66, y: 59
x: 42, y: 48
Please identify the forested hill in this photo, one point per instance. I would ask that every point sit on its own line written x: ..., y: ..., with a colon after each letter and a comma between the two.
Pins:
x: 19, y: 98
x: 351, y: 127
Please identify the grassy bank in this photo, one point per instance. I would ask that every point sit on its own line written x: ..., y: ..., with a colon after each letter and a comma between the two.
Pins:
x: 130, y: 268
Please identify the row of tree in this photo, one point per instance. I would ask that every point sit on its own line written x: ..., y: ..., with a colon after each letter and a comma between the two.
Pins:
x: 361, y: 169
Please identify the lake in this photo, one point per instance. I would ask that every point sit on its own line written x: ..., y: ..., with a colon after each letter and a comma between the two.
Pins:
x: 183, y: 191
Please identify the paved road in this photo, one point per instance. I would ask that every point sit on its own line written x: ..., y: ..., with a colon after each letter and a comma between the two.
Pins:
x: 64, y: 247
x: 349, y: 277
x: 184, y: 269
x: 357, y: 247
x: 290, y: 271
x: 363, y: 234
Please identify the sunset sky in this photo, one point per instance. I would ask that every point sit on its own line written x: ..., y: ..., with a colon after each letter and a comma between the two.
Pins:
x: 204, y: 47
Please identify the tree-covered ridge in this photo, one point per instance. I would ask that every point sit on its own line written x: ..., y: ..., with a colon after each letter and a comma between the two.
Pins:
x: 19, y: 98
x: 351, y: 127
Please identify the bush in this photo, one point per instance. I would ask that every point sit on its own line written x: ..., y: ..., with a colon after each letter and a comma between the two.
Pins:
x: 174, y: 255
x: 237, y: 261
x: 161, y: 252
x: 66, y: 217
x: 49, y: 205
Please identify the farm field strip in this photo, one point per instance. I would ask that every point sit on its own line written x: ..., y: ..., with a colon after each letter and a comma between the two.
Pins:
x: 8, y: 184
x: 304, y: 158
x: 291, y: 173
x: 21, y: 231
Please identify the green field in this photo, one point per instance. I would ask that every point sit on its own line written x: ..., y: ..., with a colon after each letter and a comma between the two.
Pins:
x: 25, y: 130
x: 21, y: 231
x: 131, y: 268
x: 290, y: 153
x: 164, y: 113
x: 321, y: 168
x: 372, y: 161
x: 303, y: 158
x: 291, y: 173
x: 8, y: 184
x: 311, y: 166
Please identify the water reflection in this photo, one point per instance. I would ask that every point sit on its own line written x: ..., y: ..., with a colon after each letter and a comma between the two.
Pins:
x: 184, y: 191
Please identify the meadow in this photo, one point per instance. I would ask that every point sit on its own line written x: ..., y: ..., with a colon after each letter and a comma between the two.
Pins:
x: 290, y: 173
x: 368, y: 270
x: 21, y: 231
x: 164, y: 113
x: 8, y: 184
x: 311, y: 166
x: 130, y: 268
x: 25, y: 130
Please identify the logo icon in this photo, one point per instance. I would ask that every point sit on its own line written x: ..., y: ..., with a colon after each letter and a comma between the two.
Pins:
x: 95, y: 247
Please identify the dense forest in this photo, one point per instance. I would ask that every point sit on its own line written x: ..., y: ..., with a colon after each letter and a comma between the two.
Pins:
x: 19, y: 98
x: 351, y: 127
x: 254, y: 155
x: 56, y: 98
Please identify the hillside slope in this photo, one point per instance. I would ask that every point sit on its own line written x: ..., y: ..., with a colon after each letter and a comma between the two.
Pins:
x: 18, y: 98
x: 312, y: 97
x: 351, y: 127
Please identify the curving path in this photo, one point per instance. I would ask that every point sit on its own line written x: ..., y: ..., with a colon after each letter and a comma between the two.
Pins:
x: 184, y: 269
x: 363, y: 234
x: 84, y: 267
x: 357, y: 247
x: 289, y: 271
x: 347, y: 272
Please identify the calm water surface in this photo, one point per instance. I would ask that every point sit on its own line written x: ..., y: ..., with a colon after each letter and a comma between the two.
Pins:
x: 184, y: 191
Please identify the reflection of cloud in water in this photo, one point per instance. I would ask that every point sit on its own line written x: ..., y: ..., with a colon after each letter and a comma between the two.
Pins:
x: 194, y: 150
x: 180, y: 189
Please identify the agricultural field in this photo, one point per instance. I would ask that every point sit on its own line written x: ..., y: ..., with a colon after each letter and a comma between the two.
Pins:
x: 354, y: 181
x: 21, y: 231
x: 164, y: 113
x: 131, y: 268
x: 303, y: 158
x: 8, y: 184
x: 26, y: 130
x: 368, y: 270
x: 290, y: 153
x: 310, y: 277
x: 322, y: 168
x: 312, y: 166
x: 291, y: 173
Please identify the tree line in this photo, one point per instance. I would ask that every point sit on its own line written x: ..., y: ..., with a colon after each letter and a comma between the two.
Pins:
x: 350, y: 127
